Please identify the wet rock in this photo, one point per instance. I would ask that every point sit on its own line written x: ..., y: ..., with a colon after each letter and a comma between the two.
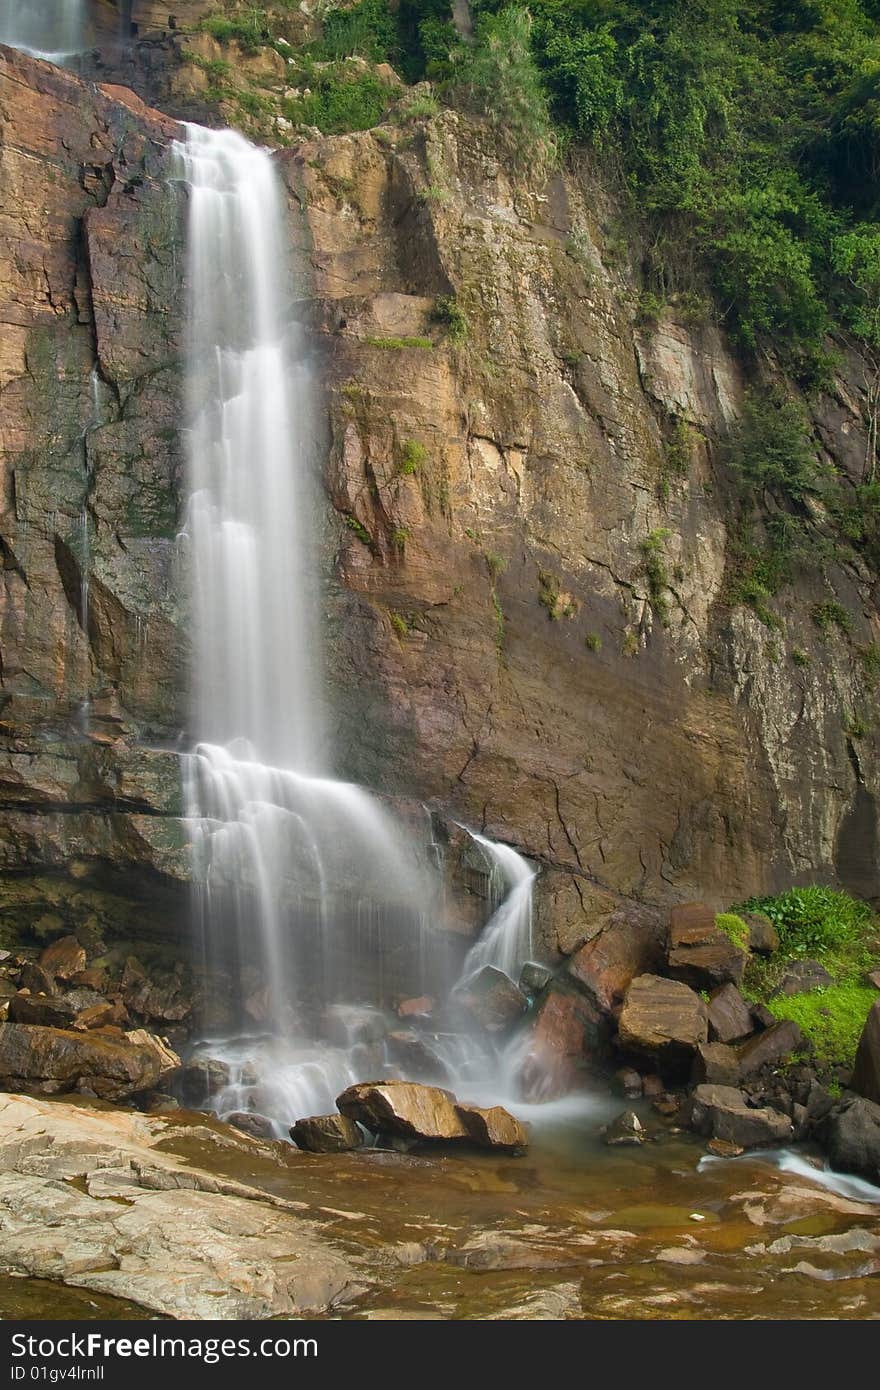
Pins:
x: 666, y: 1105
x: 866, y: 1072
x: 626, y: 1129
x: 492, y: 1127
x: 201, y: 1080
x: 763, y: 936
x: 663, y: 1019
x: 730, y: 1018
x: 652, y: 1085
x: 413, y: 1054
x: 851, y: 1135
x: 566, y: 1029
x: 626, y: 1081
x: 773, y: 1045
x: 327, y: 1134
x: 41, y: 1010
x: 34, y: 978
x: 700, y: 953
x: 422, y: 1007
x: 722, y: 1112
x: 534, y: 977
x: 96, y: 1016
x: 250, y: 1122
x: 346, y: 1025
x: 63, y: 958
x: 802, y: 976
x: 630, y: 944
x: 491, y: 999
x: 725, y: 1148
x: 761, y: 1016
x: 53, y: 1060
x: 495, y: 1250
x: 819, y: 1103
x: 161, y: 997
x: 717, y: 1064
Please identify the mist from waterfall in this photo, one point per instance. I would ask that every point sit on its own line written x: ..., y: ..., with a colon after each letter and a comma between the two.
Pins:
x: 53, y: 29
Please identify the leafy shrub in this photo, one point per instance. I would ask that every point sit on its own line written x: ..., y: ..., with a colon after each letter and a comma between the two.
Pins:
x: 496, y: 77
x: 768, y: 446
x: 450, y: 314
x: 812, y: 921
x: 412, y: 456
x: 339, y: 100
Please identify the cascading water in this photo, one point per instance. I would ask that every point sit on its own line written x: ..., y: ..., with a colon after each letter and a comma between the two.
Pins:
x: 53, y: 29
x: 306, y: 886
x: 506, y: 940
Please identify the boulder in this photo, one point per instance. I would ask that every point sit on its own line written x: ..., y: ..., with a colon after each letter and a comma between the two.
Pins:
x: 663, y: 1019
x: 64, y: 958
x: 492, y: 1127
x: 761, y: 1016
x: 422, y: 1007
x: 96, y: 1016
x: 851, y: 1135
x: 534, y: 977
x: 771, y: 1046
x: 802, y: 976
x: 730, y: 1018
x: 491, y: 999
x: 629, y: 945
x: 413, y: 1054
x: 866, y: 1072
x: 327, y: 1134
x: 407, y: 1110
x: 626, y: 1129
x: 700, y: 953
x: 34, y: 978
x: 717, y: 1064
x: 722, y: 1112
x: 250, y: 1122
x: 201, y: 1080
x: 109, y: 1065
x: 626, y: 1081
x: 164, y: 997
x: 763, y: 936
x: 41, y: 1010
x: 873, y: 978
x: 567, y: 1028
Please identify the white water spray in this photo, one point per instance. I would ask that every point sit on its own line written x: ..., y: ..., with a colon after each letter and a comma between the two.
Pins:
x: 506, y: 940
x: 52, y: 29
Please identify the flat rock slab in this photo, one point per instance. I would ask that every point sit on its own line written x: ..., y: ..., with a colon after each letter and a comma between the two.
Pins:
x: 408, y: 1110
x: 86, y: 1198
x: 700, y: 953
x: 662, y: 1017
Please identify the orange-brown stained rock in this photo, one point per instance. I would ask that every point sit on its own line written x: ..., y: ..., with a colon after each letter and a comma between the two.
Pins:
x: 63, y: 958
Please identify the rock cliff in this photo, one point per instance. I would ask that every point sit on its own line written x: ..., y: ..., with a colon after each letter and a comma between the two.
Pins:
x: 527, y: 613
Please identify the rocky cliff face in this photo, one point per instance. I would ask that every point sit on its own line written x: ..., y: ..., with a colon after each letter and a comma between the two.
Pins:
x: 525, y: 616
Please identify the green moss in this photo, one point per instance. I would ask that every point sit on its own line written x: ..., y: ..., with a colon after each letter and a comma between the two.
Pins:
x: 593, y: 642
x: 800, y: 657
x: 735, y: 928
x: 400, y: 344
x: 359, y: 530
x: 654, y: 569
x: 830, y: 615
x: 412, y: 456
x: 495, y: 564
x: 551, y: 597
x: 832, y: 1019
x: 448, y: 312
x: 399, y: 623
x: 399, y: 536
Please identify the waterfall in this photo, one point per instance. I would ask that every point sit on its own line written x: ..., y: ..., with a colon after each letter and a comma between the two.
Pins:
x: 53, y: 29
x: 506, y: 939
x: 308, y: 892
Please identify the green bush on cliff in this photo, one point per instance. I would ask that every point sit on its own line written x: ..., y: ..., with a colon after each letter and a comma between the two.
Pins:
x: 816, y: 921
x: 735, y: 928
x: 339, y: 99
x: 496, y: 77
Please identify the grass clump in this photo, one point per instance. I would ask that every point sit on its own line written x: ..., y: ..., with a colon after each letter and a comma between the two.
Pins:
x: 654, y: 570
x: 400, y: 344
x: 359, y: 529
x: 830, y: 615
x: 832, y: 1019
x: 338, y: 100
x: 448, y: 312
x: 734, y: 928
x: 593, y: 642
x: 412, y: 456
x: 816, y: 921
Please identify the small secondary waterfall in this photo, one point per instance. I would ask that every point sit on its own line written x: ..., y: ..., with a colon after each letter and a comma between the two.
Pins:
x: 53, y: 29
x: 311, y: 898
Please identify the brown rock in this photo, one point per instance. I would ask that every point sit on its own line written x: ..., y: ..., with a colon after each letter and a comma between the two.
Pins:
x: 491, y: 999
x: 700, y: 953
x: 111, y: 1065
x: 866, y: 1072
x: 34, y: 978
x: 725, y: 1148
x: 716, y: 1063
x: 722, y: 1112
x: 201, y: 1080
x: 873, y: 978
x: 652, y: 1085
x: 626, y: 1129
x: 493, y: 1127
x: 761, y: 1016
x: 249, y: 1122
x: 763, y: 936
x: 663, y: 1019
x: 630, y: 944
x: 40, y: 1010
x: 567, y: 1029
x: 63, y: 958
x: 422, y: 1007
x: 802, y: 976
x: 327, y: 1134
x: 97, y: 1016
x: 773, y: 1045
x: 730, y: 1017
x: 626, y: 1081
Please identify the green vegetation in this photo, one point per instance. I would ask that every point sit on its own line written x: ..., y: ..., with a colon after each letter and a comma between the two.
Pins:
x: 551, y: 596
x: 496, y: 77
x: 359, y: 530
x: 816, y: 921
x: 800, y: 657
x: 677, y: 452
x: 400, y: 344
x: 829, y: 616
x: 412, y: 456
x: 654, y: 569
x: 832, y: 1019
x: 399, y: 623
x: 448, y: 312
x: 735, y: 928
x: 593, y: 642
x: 495, y: 564
x: 250, y: 28
x: 339, y: 98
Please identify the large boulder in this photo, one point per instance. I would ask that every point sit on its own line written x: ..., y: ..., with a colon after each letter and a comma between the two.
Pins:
x: 201, y: 1080
x: 716, y: 1063
x: 851, y: 1135
x: 776, y: 1043
x: 164, y: 996
x: 630, y: 944
x: 763, y: 936
x: 109, y: 1064
x: 730, y: 1018
x: 722, y: 1112
x: 408, y: 1110
x: 41, y: 1010
x: 491, y: 999
x: 866, y: 1073
x: 663, y: 1019
x: 700, y: 953
x: 327, y: 1134
x: 567, y: 1029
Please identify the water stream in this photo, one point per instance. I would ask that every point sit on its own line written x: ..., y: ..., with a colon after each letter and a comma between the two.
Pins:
x: 51, y: 29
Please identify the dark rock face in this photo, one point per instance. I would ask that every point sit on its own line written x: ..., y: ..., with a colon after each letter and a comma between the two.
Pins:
x: 491, y: 999
x: 730, y: 1017
x: 327, y: 1134
x: 763, y: 936
x: 866, y: 1072
x: 851, y: 1134
x: 723, y: 1113
x: 700, y: 953
x: 717, y: 1064
x: 773, y: 1045
x: 802, y: 976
